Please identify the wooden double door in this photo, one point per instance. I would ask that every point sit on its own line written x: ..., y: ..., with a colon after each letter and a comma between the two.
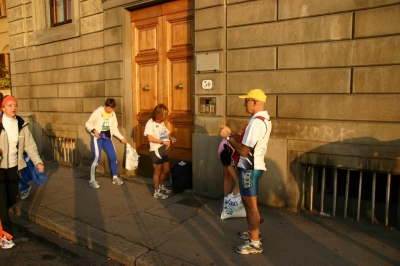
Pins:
x: 162, y: 45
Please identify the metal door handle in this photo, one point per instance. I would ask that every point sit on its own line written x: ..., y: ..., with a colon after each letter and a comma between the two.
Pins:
x: 146, y: 88
x: 179, y: 86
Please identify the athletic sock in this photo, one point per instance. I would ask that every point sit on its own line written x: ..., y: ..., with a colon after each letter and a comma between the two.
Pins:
x: 255, y: 243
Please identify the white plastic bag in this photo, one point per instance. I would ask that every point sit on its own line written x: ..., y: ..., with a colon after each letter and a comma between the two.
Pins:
x: 132, y: 158
x: 233, y: 207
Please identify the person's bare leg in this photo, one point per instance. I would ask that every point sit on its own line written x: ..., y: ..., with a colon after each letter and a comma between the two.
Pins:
x: 252, y: 216
x: 164, y: 172
x: 227, y: 181
x: 233, y: 175
x: 156, y: 175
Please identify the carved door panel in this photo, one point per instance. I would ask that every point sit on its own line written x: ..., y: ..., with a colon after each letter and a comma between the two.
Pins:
x: 163, y: 72
x: 147, y: 77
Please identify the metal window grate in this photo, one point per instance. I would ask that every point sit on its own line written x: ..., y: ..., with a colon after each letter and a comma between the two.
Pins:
x: 352, y: 194
x: 63, y: 150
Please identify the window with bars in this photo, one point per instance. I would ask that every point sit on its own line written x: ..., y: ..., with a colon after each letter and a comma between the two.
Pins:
x: 60, y: 12
x: 64, y: 150
x: 354, y: 194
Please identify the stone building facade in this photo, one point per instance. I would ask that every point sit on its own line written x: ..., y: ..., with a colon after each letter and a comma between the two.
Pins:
x: 4, y: 50
x: 331, y: 70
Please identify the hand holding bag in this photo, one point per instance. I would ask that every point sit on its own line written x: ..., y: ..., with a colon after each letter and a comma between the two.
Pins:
x: 30, y: 172
x: 233, y: 207
x: 131, y: 158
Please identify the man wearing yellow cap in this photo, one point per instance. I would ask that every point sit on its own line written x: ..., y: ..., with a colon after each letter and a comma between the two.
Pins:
x: 250, y: 148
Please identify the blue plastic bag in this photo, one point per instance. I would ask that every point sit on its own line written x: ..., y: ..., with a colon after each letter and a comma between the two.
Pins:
x: 30, y: 172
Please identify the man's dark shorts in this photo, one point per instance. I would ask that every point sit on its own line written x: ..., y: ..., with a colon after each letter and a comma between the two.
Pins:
x: 226, y: 156
x: 162, y: 152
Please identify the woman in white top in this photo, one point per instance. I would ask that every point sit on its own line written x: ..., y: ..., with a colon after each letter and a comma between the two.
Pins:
x: 103, y: 125
x: 159, y: 137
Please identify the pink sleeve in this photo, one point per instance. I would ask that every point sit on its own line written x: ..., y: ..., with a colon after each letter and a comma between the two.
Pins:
x: 221, y: 147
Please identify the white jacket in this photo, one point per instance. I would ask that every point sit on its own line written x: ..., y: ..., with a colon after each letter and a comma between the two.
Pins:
x: 26, y: 143
x: 96, y: 120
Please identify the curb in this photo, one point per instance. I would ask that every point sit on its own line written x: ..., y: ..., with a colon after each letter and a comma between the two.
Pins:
x: 106, y: 244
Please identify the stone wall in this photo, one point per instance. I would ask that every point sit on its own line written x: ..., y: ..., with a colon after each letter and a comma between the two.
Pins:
x: 331, y: 72
x: 3, y: 35
x: 4, y: 47
x: 60, y: 75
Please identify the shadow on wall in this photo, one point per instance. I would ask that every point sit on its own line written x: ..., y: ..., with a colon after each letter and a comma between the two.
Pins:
x: 271, y: 186
x: 207, y: 168
x: 208, y: 171
x: 368, y: 157
x: 40, y: 137
x: 53, y: 148
x: 63, y: 150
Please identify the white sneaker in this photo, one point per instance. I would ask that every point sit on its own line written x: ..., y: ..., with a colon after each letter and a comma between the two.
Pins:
x: 165, y: 190
x: 117, y: 181
x: 24, y: 194
x: 6, y: 243
x: 94, y: 184
x: 159, y: 195
x: 249, y: 248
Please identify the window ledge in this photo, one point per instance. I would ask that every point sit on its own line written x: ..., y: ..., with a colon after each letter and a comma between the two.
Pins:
x: 44, y: 34
x: 58, y: 33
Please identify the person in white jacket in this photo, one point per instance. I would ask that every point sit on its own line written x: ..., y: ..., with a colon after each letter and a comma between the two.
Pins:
x: 15, y: 139
x: 103, y: 125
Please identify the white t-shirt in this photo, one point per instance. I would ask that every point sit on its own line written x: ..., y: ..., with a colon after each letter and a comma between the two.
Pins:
x: 257, y: 136
x: 105, y: 126
x: 158, y: 131
x: 11, y: 127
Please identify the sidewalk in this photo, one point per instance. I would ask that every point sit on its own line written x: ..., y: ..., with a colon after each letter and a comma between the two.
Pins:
x: 127, y: 224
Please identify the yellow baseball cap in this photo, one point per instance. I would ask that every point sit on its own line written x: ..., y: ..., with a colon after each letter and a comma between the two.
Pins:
x: 256, y: 94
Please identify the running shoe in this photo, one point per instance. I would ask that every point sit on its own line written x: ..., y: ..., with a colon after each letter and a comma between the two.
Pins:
x: 249, y: 248
x: 94, y: 184
x: 24, y: 194
x: 6, y: 243
x: 159, y: 195
x: 165, y: 190
x: 117, y: 181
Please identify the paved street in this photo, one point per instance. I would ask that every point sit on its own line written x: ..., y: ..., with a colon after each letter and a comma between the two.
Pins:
x: 127, y: 224
x: 36, y: 245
